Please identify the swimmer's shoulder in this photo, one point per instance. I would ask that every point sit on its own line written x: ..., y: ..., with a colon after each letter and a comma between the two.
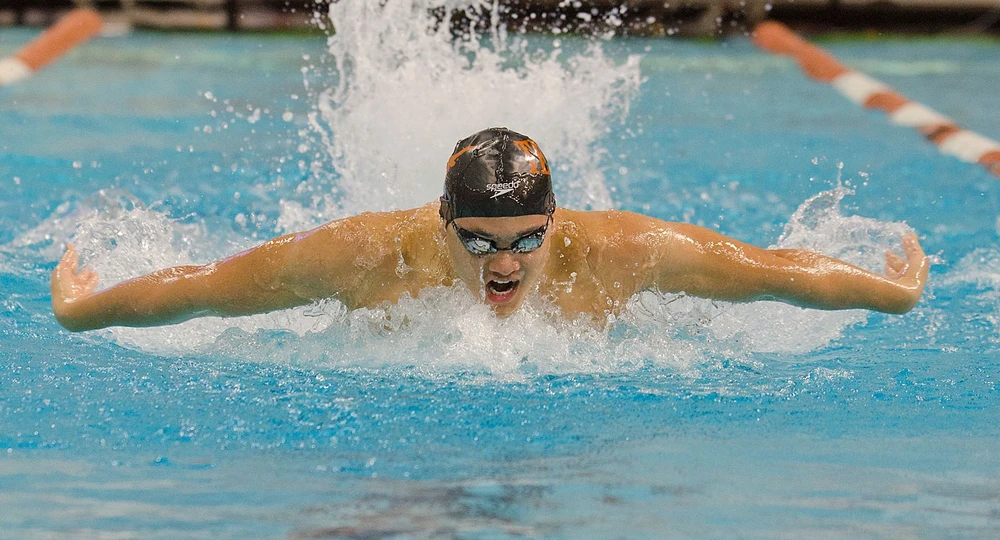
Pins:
x: 601, y: 239
x: 621, y: 246
x: 374, y: 256
x: 392, y: 226
x: 369, y: 239
x: 611, y: 228
x: 413, y: 232
x: 419, y: 235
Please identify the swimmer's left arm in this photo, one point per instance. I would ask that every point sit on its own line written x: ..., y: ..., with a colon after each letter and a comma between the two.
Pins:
x: 834, y: 284
x: 704, y: 263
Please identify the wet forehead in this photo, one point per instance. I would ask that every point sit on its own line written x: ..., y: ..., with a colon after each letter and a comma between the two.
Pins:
x: 502, y: 227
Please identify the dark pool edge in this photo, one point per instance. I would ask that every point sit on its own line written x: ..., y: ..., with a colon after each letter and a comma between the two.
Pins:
x: 691, y: 18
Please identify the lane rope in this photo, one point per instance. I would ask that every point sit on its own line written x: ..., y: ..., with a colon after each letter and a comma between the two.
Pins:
x: 871, y: 93
x: 72, y: 29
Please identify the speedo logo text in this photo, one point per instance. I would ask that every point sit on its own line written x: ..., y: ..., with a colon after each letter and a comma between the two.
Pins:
x: 502, y: 188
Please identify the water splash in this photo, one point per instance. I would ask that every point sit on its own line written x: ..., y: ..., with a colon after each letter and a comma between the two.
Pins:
x: 405, y: 89
x: 858, y: 240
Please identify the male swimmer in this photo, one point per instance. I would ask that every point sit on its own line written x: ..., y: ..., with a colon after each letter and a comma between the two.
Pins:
x: 498, y: 231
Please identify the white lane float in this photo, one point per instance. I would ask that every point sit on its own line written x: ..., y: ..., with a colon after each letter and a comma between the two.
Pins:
x: 871, y: 93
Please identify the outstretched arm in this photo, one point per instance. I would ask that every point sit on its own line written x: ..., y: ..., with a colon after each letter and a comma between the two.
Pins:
x: 250, y: 282
x: 704, y: 263
x: 334, y: 260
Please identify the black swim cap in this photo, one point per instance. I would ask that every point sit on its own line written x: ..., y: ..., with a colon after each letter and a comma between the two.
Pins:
x: 497, y: 173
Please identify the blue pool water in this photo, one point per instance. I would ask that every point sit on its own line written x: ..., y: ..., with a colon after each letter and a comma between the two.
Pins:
x: 684, y: 419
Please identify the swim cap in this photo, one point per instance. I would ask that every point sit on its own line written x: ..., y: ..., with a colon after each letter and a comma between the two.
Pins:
x: 497, y: 173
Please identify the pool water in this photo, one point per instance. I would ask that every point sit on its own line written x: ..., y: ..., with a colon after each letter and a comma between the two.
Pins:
x: 685, y: 418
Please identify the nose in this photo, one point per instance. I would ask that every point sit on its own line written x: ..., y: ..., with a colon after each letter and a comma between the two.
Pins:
x: 503, y: 263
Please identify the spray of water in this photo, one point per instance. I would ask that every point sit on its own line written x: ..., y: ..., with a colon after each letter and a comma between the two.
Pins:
x: 405, y: 88
x: 976, y: 280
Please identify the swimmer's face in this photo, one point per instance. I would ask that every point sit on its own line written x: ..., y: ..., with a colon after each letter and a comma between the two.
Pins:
x: 502, y: 279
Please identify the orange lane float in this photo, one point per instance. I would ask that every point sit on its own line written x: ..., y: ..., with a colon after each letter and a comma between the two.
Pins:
x: 76, y: 27
x: 871, y: 93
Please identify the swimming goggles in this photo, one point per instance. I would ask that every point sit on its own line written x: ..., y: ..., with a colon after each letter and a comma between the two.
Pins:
x: 477, y: 245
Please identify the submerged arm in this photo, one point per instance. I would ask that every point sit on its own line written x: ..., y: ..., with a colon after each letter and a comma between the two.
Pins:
x: 703, y: 263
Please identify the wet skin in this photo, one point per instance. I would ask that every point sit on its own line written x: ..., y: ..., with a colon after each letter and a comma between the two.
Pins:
x: 589, y: 264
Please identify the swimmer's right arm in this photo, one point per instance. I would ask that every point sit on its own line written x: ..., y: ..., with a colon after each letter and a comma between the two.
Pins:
x: 172, y: 295
x: 288, y: 271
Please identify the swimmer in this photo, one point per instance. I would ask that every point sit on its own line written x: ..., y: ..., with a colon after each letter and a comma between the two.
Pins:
x: 496, y: 230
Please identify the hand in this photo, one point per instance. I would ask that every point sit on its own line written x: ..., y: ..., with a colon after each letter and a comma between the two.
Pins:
x: 69, y: 285
x: 911, y: 271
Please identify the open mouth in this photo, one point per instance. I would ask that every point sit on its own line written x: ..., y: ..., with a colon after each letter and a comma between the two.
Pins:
x: 499, y: 291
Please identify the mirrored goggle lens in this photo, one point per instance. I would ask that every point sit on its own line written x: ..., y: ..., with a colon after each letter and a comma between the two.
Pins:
x: 477, y: 245
x: 528, y: 243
